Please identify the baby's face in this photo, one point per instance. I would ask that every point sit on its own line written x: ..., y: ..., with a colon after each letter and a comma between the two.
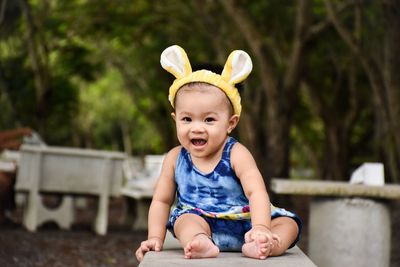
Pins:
x: 203, y: 117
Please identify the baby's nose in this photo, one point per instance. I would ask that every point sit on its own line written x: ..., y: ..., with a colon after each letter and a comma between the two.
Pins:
x: 197, y: 127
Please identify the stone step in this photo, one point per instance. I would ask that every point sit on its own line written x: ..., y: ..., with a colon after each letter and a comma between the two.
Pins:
x: 292, y: 258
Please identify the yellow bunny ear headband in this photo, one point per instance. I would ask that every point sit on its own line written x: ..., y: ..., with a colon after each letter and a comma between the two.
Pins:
x: 237, y: 67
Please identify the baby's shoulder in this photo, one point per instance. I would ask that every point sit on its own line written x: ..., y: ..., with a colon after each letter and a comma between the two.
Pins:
x: 239, y: 152
x: 238, y: 148
x: 170, y: 158
x: 173, y: 154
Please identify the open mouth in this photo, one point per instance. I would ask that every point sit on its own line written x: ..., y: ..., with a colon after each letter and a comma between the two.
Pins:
x: 198, y: 142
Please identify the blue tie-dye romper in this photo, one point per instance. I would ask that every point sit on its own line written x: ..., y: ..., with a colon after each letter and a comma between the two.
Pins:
x: 218, y: 197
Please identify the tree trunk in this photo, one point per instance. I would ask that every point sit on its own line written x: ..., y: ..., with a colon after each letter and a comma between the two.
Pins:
x: 275, y: 118
x: 391, y: 70
x: 384, y: 82
x: 336, y: 153
x: 40, y: 71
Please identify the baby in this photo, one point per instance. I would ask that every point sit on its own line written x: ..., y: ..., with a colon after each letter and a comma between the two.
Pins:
x: 222, y: 203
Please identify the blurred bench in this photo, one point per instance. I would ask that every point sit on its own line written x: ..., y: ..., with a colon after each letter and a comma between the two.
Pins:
x: 140, y: 185
x: 68, y: 172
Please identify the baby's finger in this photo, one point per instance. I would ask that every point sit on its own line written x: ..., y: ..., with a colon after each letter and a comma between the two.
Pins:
x: 145, y: 246
x: 139, y: 254
x: 157, y: 245
x: 276, y: 238
x: 247, y: 237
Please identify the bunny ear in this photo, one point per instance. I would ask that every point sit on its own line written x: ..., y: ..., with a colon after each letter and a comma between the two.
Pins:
x: 237, y: 67
x: 174, y: 60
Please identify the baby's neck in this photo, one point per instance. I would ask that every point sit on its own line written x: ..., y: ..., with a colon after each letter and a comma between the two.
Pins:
x: 205, y: 165
x: 208, y: 164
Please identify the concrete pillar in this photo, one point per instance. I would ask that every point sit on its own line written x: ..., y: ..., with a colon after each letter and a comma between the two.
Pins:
x: 349, y: 232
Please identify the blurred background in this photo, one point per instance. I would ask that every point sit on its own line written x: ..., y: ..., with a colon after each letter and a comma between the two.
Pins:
x: 323, y: 97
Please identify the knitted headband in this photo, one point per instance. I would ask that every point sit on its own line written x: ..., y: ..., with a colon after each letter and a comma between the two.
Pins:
x: 237, y: 67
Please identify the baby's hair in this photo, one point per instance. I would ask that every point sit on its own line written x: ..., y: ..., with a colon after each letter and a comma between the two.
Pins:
x: 202, y: 87
x: 216, y: 68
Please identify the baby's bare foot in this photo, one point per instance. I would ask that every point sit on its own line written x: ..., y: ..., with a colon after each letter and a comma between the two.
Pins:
x: 201, y: 247
x: 259, y: 248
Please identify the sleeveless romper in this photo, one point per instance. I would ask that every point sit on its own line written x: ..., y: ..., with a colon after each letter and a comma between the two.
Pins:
x: 218, y: 197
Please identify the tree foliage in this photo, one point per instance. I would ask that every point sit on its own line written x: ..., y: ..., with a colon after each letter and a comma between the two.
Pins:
x: 323, y: 94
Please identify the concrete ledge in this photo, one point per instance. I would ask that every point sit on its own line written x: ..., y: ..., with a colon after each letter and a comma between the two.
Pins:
x: 344, y: 218
x: 332, y: 188
x: 168, y: 258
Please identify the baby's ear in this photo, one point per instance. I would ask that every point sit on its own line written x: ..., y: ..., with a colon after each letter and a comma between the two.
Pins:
x: 173, y: 116
x: 175, y: 60
x: 237, y: 67
x: 233, y: 122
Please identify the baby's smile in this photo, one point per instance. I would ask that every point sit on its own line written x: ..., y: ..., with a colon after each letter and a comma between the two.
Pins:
x: 198, y: 142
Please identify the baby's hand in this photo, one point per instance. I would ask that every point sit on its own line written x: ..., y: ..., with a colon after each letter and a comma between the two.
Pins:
x: 150, y: 244
x: 262, y: 230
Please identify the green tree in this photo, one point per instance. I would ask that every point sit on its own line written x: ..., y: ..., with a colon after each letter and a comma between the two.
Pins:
x: 377, y: 51
x: 87, y: 73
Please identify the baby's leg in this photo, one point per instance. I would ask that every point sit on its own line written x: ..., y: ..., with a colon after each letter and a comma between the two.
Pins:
x: 194, y: 234
x: 287, y: 229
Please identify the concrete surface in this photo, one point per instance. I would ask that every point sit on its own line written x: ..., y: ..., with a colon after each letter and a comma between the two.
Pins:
x: 349, y: 224
x: 349, y: 232
x: 168, y: 258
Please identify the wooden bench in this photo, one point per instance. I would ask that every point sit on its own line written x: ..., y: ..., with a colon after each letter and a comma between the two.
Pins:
x: 68, y: 172
x: 171, y: 258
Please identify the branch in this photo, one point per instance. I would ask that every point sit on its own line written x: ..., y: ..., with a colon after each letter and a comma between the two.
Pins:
x: 354, y: 108
x: 317, y: 28
x: 318, y: 104
x: 302, y: 23
x: 254, y: 40
x: 3, y: 10
x: 40, y: 78
x: 343, y: 32
x: 208, y: 22
x: 371, y: 67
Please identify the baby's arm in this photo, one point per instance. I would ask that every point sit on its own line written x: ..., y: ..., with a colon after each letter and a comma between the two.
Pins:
x: 254, y: 188
x: 163, y: 198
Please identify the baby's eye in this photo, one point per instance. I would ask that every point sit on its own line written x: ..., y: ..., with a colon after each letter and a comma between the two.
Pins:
x: 186, y: 119
x: 209, y: 119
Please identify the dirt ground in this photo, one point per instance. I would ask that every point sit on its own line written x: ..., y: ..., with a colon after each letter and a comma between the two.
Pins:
x: 53, y: 247
x: 80, y: 246
x: 50, y: 246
